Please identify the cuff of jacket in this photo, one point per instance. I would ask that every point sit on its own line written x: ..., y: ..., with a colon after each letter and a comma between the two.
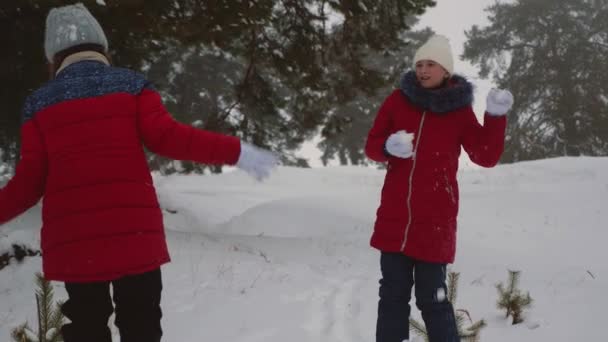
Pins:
x: 385, y: 151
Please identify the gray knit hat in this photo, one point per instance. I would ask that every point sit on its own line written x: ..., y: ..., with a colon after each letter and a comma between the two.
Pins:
x: 69, y: 26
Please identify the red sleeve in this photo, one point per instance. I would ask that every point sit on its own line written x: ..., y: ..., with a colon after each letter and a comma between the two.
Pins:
x: 376, y: 138
x: 484, y: 144
x: 27, y: 186
x: 163, y: 135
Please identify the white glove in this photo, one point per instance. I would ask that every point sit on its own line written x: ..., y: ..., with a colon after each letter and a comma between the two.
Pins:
x: 257, y: 162
x: 399, y: 144
x: 499, y: 102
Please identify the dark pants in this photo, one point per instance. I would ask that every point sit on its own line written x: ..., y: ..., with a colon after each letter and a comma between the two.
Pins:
x: 399, y: 274
x: 138, y: 313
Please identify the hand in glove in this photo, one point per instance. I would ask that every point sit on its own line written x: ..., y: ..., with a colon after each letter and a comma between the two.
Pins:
x: 257, y: 162
x: 499, y: 102
x: 399, y: 144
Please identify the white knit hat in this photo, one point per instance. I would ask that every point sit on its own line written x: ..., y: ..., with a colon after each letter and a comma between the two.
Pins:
x: 436, y: 49
x: 70, y: 26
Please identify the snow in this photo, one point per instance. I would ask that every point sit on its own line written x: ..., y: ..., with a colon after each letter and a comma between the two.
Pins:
x: 14, y: 234
x: 400, y: 144
x: 441, y: 295
x: 73, y: 32
x: 289, y: 259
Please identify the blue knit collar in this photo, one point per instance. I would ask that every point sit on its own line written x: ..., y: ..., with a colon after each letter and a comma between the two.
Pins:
x: 456, y: 95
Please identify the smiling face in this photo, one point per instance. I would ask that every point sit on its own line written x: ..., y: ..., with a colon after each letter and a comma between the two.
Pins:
x: 430, y: 74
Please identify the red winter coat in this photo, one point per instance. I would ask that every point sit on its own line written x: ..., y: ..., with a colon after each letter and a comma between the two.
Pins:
x: 82, y: 150
x: 419, y: 204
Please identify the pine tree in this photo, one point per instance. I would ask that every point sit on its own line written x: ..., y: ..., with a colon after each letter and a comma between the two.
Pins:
x: 50, y: 318
x: 282, y: 65
x: 511, y: 299
x: 552, y: 56
x: 466, y: 334
x: 345, y: 129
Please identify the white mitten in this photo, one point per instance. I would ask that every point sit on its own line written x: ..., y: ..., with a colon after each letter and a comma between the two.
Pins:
x: 399, y: 144
x: 256, y: 162
x: 499, y: 102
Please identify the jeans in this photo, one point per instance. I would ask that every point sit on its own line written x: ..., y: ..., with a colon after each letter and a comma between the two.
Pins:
x: 399, y: 274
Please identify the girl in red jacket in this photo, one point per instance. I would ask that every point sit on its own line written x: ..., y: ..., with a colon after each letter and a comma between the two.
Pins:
x: 83, y: 139
x: 419, y: 131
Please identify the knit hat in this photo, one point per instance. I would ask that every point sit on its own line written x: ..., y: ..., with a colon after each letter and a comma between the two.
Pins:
x: 69, y: 26
x: 436, y: 49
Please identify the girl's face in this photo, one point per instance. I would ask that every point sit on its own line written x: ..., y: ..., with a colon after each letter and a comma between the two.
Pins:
x: 430, y: 74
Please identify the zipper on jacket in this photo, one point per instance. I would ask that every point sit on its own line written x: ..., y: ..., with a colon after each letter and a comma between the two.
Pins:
x: 411, y: 178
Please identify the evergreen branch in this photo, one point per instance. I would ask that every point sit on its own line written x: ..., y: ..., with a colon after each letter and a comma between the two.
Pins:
x: 503, y: 301
x: 513, y: 280
x: 54, y: 335
x: 526, y: 301
x: 477, y: 326
x: 57, y: 320
x: 38, y: 311
x: 20, y: 334
x: 470, y: 338
x: 506, y: 46
x: 45, y: 299
x: 419, y: 329
x: 246, y: 77
x: 512, y: 300
x: 460, y: 318
x: 501, y: 289
x: 453, y: 286
x: 470, y: 334
x: 50, y: 317
x: 466, y: 314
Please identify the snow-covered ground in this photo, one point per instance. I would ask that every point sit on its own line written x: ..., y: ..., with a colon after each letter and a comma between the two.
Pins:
x: 288, y: 259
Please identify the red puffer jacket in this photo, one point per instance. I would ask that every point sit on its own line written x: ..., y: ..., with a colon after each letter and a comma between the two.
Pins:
x: 82, y: 151
x: 419, y: 204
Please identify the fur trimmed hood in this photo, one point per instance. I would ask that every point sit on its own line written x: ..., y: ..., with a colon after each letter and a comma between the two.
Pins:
x: 458, y: 94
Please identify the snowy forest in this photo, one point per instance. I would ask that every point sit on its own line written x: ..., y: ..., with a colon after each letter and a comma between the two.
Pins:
x: 289, y: 258
x: 279, y: 73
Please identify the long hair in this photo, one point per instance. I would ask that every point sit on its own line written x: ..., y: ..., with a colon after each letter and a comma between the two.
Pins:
x: 63, y: 54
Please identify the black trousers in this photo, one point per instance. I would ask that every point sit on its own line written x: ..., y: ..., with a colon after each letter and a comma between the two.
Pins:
x: 399, y: 274
x: 138, y: 312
